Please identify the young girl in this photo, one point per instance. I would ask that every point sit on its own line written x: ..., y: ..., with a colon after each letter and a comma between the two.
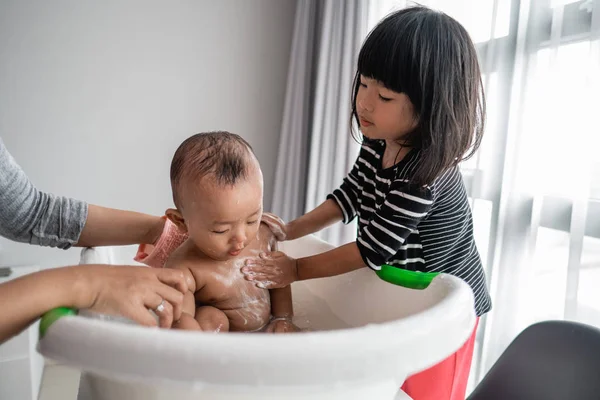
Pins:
x: 418, y: 100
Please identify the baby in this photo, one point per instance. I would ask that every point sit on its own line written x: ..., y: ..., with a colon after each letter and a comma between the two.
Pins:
x: 217, y: 188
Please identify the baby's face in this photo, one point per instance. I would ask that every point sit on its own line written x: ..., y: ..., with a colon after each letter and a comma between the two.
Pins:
x: 222, y: 220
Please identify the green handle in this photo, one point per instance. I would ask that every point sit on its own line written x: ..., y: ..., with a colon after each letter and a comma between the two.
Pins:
x: 405, y: 278
x: 52, y: 316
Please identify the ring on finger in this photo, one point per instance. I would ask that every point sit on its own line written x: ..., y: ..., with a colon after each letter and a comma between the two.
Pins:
x: 161, y: 307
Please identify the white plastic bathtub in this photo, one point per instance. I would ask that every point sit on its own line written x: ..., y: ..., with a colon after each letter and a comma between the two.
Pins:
x: 366, y: 337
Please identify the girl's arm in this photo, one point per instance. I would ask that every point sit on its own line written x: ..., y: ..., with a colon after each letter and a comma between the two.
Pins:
x: 278, y: 270
x: 379, y: 240
x: 338, y: 261
x: 318, y: 219
x: 341, y: 205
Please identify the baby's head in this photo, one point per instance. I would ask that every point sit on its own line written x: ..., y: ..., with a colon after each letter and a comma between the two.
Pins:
x: 218, y: 193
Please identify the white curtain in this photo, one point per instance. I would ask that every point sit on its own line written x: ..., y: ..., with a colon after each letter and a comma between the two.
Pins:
x: 535, y: 182
x: 546, y: 248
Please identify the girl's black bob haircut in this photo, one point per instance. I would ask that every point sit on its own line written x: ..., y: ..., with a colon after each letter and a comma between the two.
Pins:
x: 430, y: 57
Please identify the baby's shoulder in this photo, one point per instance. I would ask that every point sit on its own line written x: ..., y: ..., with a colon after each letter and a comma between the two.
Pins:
x: 198, y: 268
x: 186, y: 258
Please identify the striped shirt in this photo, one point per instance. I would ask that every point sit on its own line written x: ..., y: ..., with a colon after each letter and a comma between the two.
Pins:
x: 428, y: 229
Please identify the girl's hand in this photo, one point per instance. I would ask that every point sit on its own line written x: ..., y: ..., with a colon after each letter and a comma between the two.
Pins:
x: 132, y: 291
x: 271, y: 271
x: 281, y: 325
x: 277, y: 226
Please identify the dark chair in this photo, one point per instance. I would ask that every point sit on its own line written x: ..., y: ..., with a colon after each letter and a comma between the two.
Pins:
x: 553, y: 360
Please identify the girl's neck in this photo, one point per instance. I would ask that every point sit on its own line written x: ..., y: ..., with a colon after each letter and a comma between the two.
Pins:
x: 394, y: 153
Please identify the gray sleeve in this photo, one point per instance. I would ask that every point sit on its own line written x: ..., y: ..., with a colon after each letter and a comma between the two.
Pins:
x: 32, y: 216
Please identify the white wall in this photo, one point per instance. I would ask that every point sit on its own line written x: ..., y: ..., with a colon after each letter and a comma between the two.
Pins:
x: 95, y: 96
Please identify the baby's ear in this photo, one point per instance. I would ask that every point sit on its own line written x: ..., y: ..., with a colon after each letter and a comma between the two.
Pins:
x: 175, y: 217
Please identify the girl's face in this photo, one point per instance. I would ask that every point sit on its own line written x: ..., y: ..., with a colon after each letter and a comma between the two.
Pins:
x: 383, y: 113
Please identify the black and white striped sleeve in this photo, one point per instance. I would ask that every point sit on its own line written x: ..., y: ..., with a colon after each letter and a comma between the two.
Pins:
x: 402, y: 210
x: 346, y: 196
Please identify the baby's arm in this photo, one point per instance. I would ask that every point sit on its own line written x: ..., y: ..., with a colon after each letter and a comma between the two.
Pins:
x: 282, y: 311
x: 187, y: 321
x: 205, y: 318
x: 341, y: 205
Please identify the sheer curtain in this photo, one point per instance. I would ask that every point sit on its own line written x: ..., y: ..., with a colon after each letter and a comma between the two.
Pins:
x: 316, y: 149
x: 292, y: 156
x: 535, y: 182
x: 546, y: 258
x: 332, y: 149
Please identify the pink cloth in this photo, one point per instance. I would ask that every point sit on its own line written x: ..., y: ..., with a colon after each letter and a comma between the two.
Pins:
x: 156, y: 255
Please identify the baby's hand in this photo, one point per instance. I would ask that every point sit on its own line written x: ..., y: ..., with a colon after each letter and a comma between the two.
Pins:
x: 281, y: 325
x: 276, y: 224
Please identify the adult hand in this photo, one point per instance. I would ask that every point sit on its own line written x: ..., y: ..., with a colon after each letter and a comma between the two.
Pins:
x: 132, y: 291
